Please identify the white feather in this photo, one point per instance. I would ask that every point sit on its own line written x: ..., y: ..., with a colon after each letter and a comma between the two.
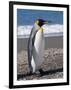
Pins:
x: 38, y: 51
x: 33, y: 64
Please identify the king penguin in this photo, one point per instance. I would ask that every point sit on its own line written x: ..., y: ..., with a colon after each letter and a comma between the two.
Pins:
x: 36, y: 46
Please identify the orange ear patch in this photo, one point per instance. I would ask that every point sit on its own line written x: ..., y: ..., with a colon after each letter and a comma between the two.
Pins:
x: 37, y: 22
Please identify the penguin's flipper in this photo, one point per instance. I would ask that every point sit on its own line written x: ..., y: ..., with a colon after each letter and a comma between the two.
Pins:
x: 30, y: 48
x: 31, y: 44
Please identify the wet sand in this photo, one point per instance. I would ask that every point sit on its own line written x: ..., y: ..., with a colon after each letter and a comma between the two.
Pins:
x: 50, y: 42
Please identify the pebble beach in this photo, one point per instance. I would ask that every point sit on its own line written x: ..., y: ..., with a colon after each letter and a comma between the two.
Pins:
x: 52, y: 65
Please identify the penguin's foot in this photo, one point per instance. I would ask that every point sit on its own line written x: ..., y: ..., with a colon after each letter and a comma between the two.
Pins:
x: 30, y: 73
x: 37, y: 72
x: 41, y: 72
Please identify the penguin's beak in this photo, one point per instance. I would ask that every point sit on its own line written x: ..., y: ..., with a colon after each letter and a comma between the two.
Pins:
x: 46, y: 22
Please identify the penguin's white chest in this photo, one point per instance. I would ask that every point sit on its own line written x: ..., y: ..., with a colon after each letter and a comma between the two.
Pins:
x: 38, y: 49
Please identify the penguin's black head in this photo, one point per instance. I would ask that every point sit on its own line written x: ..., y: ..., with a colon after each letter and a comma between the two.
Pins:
x: 41, y: 22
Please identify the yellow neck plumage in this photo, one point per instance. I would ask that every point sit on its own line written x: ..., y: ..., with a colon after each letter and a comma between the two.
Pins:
x: 41, y: 29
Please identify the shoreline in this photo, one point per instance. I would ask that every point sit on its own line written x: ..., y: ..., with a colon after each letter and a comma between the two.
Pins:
x: 50, y: 42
